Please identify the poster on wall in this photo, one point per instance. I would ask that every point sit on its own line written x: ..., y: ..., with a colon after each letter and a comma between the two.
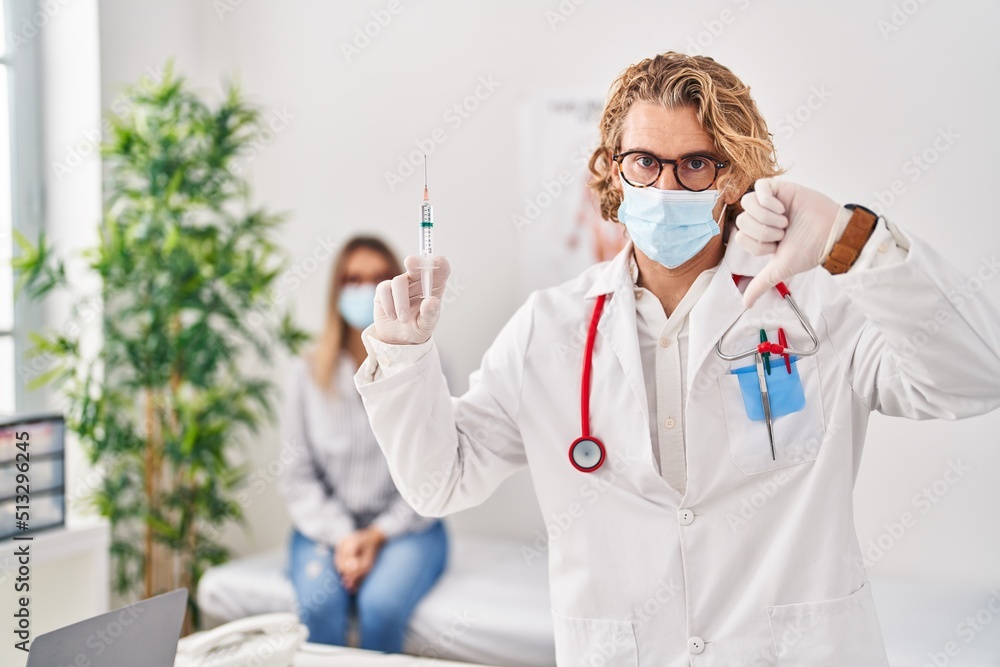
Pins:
x: 559, y: 222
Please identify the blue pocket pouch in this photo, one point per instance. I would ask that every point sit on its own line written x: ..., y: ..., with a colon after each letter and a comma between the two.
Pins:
x: 784, y: 390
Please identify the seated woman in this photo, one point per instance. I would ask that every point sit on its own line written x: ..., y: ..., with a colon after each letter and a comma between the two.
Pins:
x: 355, y: 539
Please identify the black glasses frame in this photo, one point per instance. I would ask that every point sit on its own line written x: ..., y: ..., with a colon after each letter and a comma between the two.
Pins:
x: 715, y: 162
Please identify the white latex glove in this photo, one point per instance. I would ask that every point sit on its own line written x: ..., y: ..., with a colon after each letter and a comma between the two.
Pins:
x: 402, y: 315
x: 788, y: 220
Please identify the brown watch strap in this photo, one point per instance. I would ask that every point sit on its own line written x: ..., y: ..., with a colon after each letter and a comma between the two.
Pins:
x: 847, y: 248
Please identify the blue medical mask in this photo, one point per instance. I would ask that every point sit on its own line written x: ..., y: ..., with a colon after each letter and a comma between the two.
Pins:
x: 357, y: 304
x: 668, y: 226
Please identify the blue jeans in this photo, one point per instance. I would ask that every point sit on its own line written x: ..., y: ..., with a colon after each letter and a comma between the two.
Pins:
x: 406, y: 568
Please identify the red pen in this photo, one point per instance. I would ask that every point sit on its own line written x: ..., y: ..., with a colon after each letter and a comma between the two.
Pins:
x: 784, y: 343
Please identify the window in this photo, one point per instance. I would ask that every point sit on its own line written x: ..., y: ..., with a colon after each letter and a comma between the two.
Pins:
x: 8, y: 402
x: 21, y: 21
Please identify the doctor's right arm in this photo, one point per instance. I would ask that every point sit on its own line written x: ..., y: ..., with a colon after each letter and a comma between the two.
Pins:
x: 445, y: 453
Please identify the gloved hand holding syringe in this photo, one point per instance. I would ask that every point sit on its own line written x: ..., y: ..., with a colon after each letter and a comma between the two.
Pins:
x: 418, y: 290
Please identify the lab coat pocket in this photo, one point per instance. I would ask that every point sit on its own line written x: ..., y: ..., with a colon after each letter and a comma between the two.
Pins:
x: 841, y: 631
x: 594, y: 641
x: 796, y: 409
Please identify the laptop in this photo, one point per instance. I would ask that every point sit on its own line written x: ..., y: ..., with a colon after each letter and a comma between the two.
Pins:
x: 144, y: 633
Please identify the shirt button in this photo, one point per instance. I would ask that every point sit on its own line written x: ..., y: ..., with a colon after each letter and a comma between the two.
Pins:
x: 669, y: 422
x: 638, y: 294
x: 696, y: 645
x: 664, y: 342
x: 383, y: 360
x: 685, y: 517
x: 882, y: 247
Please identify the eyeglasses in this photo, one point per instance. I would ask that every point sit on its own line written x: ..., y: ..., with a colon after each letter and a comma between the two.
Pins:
x: 693, y: 172
x: 356, y: 279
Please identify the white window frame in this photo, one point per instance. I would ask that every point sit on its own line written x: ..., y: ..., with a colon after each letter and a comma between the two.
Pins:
x: 26, y: 169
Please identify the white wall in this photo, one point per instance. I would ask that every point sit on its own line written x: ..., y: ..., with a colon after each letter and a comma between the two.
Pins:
x: 877, y: 99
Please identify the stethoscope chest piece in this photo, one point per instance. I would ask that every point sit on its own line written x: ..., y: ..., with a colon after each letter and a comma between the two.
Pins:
x: 586, y: 453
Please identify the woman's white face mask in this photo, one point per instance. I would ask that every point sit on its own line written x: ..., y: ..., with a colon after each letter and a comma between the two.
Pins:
x: 357, y: 305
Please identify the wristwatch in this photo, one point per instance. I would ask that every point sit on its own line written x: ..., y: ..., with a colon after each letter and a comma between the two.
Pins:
x: 847, y: 248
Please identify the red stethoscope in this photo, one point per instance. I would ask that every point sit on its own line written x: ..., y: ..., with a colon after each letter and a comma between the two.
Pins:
x: 587, y: 452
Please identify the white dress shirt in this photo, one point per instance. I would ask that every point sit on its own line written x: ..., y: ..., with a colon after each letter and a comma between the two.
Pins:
x: 663, y: 345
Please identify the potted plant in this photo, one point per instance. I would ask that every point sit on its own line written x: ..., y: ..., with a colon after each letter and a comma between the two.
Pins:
x: 189, y: 319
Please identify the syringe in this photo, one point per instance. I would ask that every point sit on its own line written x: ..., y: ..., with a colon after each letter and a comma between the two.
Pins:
x: 426, y: 240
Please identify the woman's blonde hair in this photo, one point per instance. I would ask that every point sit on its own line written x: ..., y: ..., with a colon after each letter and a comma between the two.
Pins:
x: 323, y: 357
x: 724, y: 107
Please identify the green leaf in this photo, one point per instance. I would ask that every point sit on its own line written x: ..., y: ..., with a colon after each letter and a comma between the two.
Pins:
x: 38, y: 271
x: 53, y: 374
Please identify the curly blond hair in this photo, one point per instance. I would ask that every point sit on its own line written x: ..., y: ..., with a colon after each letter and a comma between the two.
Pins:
x: 724, y: 108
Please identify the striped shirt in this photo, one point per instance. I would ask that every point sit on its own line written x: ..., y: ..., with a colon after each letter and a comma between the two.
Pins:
x: 334, y: 477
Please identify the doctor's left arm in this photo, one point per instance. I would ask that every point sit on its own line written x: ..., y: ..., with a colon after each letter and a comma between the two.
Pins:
x: 446, y: 453
x: 916, y: 336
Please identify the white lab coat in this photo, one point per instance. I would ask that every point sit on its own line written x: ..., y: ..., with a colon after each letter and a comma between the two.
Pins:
x: 758, y: 563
